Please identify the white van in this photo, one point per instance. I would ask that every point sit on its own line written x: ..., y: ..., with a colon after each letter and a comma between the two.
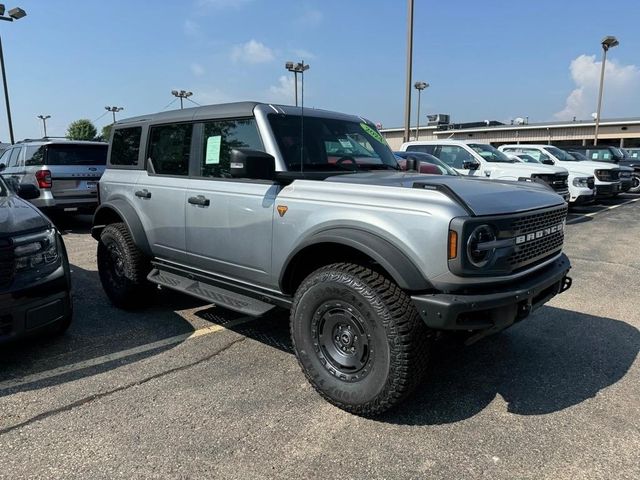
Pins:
x: 481, y: 159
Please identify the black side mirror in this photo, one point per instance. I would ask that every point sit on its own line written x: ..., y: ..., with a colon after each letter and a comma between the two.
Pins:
x: 255, y: 164
x: 548, y: 161
x: 2, y: 166
x: 27, y: 191
x: 470, y: 165
x: 412, y: 164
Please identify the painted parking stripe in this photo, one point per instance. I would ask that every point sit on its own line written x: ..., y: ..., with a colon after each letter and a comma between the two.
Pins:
x: 94, y: 362
x: 593, y: 214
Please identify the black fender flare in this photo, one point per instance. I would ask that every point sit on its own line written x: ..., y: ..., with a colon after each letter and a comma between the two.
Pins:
x: 402, y: 270
x: 128, y: 215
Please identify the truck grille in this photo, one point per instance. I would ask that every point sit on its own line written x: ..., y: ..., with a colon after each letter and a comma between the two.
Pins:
x: 607, y: 175
x: 559, y: 182
x: 7, y: 264
x: 548, y: 231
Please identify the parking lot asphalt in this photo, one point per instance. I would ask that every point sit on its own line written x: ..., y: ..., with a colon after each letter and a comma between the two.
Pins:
x: 182, y: 389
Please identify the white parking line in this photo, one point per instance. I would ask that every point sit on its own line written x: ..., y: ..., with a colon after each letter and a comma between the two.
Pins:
x: 593, y: 214
x: 94, y: 362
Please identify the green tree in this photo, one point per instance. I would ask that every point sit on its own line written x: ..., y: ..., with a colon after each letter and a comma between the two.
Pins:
x: 105, y: 134
x: 82, y: 129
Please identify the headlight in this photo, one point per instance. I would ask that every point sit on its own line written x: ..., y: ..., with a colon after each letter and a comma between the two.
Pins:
x: 582, y: 182
x: 35, y: 250
x: 480, y: 245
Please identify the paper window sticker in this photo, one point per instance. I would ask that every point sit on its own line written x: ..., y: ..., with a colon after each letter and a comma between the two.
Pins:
x: 212, y: 155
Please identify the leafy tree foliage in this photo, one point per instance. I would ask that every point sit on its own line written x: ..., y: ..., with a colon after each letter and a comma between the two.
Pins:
x: 82, y: 129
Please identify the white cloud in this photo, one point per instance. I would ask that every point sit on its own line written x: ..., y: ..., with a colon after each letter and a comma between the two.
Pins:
x: 621, y: 89
x: 252, y: 52
x: 284, y: 91
x: 197, y: 69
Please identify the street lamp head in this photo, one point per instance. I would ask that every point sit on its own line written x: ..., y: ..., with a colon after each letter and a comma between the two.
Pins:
x: 289, y: 66
x: 17, y: 13
x: 188, y: 94
x: 421, y: 85
x: 174, y: 92
x: 609, y: 42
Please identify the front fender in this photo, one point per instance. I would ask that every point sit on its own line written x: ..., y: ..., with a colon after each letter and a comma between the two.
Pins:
x: 110, y: 211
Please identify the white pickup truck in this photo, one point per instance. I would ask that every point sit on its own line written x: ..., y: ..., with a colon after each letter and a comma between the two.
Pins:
x: 483, y: 160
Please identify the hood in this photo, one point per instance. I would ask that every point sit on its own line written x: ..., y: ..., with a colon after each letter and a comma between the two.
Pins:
x: 598, y: 165
x: 522, y: 169
x: 17, y: 216
x: 480, y: 196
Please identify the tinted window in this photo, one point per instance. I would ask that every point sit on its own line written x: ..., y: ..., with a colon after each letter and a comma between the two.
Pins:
x: 454, y: 156
x: 76, y: 154
x: 422, y: 148
x: 125, y: 146
x: 169, y: 148
x: 535, y: 153
x: 490, y: 153
x: 222, y: 136
x: 13, y: 160
x: 4, y: 159
x: 35, y: 155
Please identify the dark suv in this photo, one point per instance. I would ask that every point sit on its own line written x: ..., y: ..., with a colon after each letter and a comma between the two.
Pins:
x: 34, y: 270
x: 610, y: 154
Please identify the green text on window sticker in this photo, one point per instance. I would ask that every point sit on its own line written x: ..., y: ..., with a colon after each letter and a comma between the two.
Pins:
x: 373, y: 132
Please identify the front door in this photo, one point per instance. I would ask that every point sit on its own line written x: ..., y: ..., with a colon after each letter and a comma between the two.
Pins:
x: 455, y: 156
x: 229, y: 220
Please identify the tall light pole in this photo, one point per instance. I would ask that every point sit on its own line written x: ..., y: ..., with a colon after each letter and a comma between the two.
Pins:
x: 297, y: 68
x: 44, y: 123
x: 114, y: 110
x: 181, y: 94
x: 407, y: 100
x: 14, y: 14
x: 419, y: 86
x: 607, y: 43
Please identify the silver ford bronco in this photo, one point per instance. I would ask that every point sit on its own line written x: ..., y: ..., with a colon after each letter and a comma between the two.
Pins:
x: 253, y: 206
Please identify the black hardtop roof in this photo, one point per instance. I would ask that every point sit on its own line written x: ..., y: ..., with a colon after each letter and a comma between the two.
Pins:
x: 230, y: 110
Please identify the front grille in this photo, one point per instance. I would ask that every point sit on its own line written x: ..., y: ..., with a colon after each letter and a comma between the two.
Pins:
x: 608, y: 175
x: 559, y: 182
x: 548, y: 237
x: 7, y: 264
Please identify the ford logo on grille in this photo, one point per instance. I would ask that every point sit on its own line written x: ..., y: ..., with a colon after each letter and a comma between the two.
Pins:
x: 545, y: 232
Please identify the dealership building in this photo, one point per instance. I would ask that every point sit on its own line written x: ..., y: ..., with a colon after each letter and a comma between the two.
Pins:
x: 621, y: 132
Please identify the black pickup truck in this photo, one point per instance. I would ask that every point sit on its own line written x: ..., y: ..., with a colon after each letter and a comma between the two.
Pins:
x: 35, y: 281
x: 607, y: 153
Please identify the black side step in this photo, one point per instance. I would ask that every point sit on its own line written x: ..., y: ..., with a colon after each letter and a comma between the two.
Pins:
x: 224, y: 298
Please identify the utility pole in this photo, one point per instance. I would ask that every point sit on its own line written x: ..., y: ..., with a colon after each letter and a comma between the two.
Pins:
x: 419, y: 86
x: 607, y: 43
x: 114, y: 110
x: 44, y: 123
x: 407, y: 100
x: 14, y: 14
x: 181, y: 94
x: 297, y: 68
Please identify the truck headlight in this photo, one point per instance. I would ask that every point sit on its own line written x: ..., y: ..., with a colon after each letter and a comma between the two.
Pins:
x: 582, y: 182
x: 35, y: 250
x: 481, y: 245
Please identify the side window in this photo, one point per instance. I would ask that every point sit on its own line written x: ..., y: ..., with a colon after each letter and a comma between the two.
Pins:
x: 15, y: 154
x: 422, y: 148
x: 125, y: 146
x: 537, y: 154
x: 35, y: 155
x: 220, y: 137
x: 170, y: 148
x: 4, y: 159
x: 454, y: 156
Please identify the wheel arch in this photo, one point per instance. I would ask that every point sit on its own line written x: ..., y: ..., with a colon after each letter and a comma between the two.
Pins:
x: 116, y: 211
x: 350, y: 244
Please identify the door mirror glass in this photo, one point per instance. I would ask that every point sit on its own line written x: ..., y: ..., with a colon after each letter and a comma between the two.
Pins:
x: 28, y: 191
x: 254, y: 164
x: 470, y: 165
x: 547, y: 161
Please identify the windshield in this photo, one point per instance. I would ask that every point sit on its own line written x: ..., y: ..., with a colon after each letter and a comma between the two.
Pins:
x: 330, y: 144
x: 560, y: 154
x: 73, y: 154
x: 578, y: 156
x: 489, y: 153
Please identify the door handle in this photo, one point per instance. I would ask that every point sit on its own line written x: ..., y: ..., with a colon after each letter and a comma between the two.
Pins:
x: 143, y: 193
x: 199, y: 200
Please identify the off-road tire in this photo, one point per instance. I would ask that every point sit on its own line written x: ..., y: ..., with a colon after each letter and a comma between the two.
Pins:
x: 123, y: 268
x: 398, y: 340
x: 635, y: 185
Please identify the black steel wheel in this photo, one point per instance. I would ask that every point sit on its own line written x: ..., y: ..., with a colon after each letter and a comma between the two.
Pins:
x: 358, y: 338
x: 122, y: 267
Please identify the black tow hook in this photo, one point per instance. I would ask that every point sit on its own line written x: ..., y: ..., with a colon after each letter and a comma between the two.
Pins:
x: 566, y: 284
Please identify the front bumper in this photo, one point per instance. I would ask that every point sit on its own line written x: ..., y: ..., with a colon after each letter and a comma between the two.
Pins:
x: 625, y: 184
x: 607, y: 189
x: 32, y: 309
x: 494, y: 308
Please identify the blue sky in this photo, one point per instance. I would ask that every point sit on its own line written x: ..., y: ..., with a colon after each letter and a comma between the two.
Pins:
x: 484, y: 59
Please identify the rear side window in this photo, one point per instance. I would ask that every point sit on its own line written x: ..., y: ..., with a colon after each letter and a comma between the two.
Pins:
x: 422, y: 148
x: 76, y: 154
x: 222, y: 136
x: 15, y: 154
x: 454, y: 156
x: 35, y: 155
x: 125, y: 146
x: 169, y: 148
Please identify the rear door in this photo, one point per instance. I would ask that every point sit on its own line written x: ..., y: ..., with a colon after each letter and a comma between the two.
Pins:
x: 75, y: 168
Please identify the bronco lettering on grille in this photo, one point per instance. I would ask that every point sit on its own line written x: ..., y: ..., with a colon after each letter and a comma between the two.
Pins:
x: 520, y: 239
